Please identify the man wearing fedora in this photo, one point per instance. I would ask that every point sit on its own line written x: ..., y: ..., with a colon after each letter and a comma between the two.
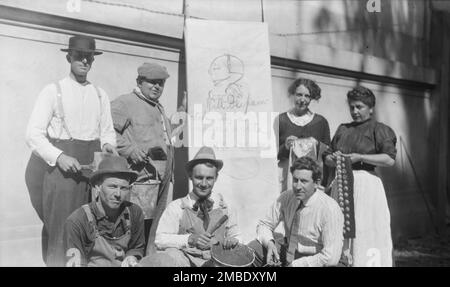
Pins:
x: 108, y: 232
x: 143, y: 134
x: 184, y: 230
x: 70, y: 121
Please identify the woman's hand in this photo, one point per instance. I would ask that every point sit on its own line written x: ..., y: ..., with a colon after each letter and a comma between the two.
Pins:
x: 289, y: 141
x: 379, y: 159
x: 330, y: 160
x: 354, y: 157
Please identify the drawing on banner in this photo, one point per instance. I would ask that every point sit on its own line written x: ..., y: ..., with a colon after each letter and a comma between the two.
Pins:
x: 230, y: 93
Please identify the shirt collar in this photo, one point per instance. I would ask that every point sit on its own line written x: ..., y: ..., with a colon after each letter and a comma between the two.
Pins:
x: 99, y: 211
x: 191, y: 198
x: 72, y: 78
x: 312, y: 198
x: 138, y: 92
x: 194, y: 197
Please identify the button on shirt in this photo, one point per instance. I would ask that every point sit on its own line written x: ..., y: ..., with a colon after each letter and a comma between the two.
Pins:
x: 320, y: 234
x: 168, y: 227
x: 88, y: 117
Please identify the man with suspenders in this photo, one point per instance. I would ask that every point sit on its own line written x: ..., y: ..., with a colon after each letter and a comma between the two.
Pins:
x: 70, y: 121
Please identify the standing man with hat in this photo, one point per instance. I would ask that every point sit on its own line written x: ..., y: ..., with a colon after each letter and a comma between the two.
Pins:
x: 108, y: 232
x: 70, y: 121
x: 184, y: 230
x: 144, y: 138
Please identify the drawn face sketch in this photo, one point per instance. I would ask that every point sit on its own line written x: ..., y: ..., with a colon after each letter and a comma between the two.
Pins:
x: 226, y: 69
x: 228, y: 92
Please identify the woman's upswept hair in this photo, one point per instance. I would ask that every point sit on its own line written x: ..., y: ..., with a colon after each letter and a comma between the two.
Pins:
x: 314, y: 89
x: 363, y: 94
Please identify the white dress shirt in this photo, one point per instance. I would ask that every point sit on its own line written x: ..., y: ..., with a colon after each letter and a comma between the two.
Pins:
x: 88, y: 117
x: 167, y: 232
x: 320, y: 234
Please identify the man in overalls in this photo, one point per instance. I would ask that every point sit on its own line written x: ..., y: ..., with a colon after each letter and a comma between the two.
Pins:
x: 185, y: 230
x: 70, y: 121
x: 108, y: 232
x: 144, y: 138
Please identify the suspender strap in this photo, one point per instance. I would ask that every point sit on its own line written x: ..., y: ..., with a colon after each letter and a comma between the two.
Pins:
x: 88, y: 212
x: 61, y: 110
x: 100, y: 108
x: 90, y: 217
x: 128, y: 218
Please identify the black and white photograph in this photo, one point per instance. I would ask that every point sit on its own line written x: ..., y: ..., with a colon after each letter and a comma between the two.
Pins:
x: 224, y: 133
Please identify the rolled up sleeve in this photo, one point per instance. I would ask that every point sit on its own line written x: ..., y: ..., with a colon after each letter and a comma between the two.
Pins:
x: 266, y: 226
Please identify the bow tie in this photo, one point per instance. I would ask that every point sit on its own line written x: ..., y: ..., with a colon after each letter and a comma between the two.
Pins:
x: 203, y: 206
x: 207, y: 203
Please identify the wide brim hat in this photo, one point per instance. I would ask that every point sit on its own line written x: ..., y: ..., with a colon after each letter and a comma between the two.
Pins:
x: 83, y: 44
x: 113, y: 165
x: 205, y: 154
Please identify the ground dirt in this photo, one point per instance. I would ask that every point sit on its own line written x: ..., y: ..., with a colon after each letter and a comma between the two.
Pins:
x: 425, y: 251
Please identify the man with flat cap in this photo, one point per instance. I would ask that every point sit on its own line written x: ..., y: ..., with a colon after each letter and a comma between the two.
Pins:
x: 108, y: 232
x: 143, y: 134
x: 185, y: 231
x: 70, y: 121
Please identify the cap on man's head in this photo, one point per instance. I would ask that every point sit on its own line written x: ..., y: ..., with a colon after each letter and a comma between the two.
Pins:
x: 205, y: 154
x: 82, y: 43
x: 153, y: 71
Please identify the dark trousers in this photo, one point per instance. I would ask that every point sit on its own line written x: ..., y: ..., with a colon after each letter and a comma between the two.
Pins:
x: 261, y: 252
x: 34, y: 179
x: 147, y: 226
x: 61, y: 194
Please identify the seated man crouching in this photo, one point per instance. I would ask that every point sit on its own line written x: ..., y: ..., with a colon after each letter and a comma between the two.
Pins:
x: 313, y: 224
x: 184, y: 230
x: 108, y: 232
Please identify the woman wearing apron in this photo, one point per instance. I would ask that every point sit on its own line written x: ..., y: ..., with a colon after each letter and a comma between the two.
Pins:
x: 368, y: 144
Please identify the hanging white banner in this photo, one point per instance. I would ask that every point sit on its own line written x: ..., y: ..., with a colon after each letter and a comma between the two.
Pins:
x: 230, y: 109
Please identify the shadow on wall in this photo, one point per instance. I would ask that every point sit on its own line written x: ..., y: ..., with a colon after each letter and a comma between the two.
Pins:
x: 396, y: 33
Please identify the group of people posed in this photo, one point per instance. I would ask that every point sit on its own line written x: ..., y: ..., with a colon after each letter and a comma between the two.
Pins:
x: 104, y: 215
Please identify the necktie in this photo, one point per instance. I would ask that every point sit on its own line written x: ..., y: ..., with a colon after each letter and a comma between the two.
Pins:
x: 203, y: 207
x: 293, y: 237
